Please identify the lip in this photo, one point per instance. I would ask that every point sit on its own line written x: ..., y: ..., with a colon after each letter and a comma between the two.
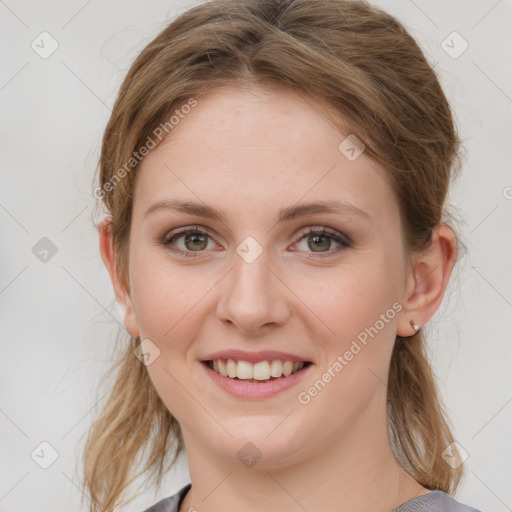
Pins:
x: 255, y: 390
x: 254, y: 357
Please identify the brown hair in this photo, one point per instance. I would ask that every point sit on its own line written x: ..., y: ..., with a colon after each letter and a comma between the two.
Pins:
x: 364, y: 64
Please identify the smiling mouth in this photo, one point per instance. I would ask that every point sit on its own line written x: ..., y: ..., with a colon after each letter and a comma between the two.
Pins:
x: 261, y: 372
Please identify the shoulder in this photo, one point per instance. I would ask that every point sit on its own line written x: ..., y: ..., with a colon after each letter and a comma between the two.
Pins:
x: 434, y: 501
x: 170, y: 504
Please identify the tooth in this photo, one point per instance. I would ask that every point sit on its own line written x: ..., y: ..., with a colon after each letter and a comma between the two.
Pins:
x: 231, y: 368
x: 287, y: 368
x: 276, y: 368
x: 261, y: 370
x: 244, y: 370
x: 222, y: 368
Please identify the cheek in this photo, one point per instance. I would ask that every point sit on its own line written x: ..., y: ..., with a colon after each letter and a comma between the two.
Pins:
x: 359, y: 307
x: 353, y: 381
x: 168, y: 305
x: 352, y: 300
x: 167, y: 298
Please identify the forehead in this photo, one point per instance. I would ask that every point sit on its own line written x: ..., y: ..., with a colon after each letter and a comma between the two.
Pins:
x: 260, y: 147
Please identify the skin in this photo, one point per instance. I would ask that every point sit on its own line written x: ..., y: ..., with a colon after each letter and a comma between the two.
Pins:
x: 251, y: 152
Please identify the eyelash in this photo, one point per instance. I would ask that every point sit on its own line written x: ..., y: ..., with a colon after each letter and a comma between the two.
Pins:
x: 345, y: 242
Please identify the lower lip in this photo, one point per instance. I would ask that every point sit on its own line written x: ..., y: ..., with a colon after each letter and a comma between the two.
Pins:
x: 243, y: 389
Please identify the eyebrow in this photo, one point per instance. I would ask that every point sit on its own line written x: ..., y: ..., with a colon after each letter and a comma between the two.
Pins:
x: 285, y: 214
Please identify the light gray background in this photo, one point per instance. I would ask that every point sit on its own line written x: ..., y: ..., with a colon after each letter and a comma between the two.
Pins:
x: 58, y: 317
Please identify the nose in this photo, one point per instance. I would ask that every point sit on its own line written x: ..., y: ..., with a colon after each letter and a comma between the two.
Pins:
x: 253, y: 297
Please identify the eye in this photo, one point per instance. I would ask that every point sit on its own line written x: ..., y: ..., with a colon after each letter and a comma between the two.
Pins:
x: 196, y: 240
x: 319, y: 239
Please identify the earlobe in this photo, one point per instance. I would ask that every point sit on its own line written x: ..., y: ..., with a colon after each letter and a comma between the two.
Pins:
x: 428, y: 281
x: 122, y: 295
x: 130, y: 319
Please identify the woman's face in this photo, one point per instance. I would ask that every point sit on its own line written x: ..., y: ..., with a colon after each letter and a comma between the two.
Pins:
x: 260, y: 279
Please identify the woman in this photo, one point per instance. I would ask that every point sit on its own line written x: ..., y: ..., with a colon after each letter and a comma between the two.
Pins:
x: 275, y: 174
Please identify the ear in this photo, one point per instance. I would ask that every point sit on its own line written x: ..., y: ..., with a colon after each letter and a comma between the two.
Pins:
x: 122, y: 294
x: 427, y: 281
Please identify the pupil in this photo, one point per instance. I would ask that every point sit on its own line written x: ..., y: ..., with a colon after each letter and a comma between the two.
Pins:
x: 196, y: 237
x: 316, y: 244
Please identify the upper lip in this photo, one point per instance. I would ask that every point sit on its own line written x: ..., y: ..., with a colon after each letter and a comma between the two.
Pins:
x: 253, y: 357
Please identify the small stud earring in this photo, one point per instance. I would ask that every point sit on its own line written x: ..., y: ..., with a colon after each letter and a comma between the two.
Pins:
x: 416, y: 328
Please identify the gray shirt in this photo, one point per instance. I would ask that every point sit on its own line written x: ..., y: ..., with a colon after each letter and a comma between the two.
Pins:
x: 434, y: 501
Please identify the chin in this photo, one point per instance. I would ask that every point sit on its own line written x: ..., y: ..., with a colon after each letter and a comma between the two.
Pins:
x: 268, y: 445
